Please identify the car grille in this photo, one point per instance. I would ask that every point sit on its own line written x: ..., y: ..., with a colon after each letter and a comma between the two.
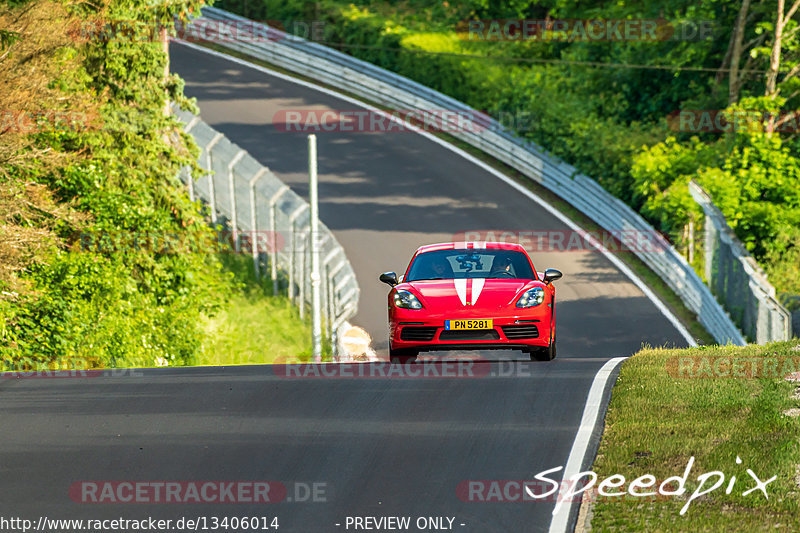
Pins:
x: 469, y: 335
x: 417, y: 333
x: 521, y: 331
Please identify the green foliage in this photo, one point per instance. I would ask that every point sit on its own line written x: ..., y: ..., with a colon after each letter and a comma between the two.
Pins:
x: 608, y: 122
x: 7, y: 38
x: 754, y: 179
x: 126, y: 307
x: 93, y: 309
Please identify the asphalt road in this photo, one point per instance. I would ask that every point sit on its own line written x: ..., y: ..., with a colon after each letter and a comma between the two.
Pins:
x: 380, y: 446
x: 374, y: 446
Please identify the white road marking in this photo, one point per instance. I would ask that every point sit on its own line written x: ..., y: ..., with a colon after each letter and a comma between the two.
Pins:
x: 577, y: 454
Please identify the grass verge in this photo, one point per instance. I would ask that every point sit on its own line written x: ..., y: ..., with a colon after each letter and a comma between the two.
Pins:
x: 670, y: 405
x: 255, y: 327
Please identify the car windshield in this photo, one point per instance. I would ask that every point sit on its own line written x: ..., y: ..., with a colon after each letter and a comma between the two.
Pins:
x: 460, y: 264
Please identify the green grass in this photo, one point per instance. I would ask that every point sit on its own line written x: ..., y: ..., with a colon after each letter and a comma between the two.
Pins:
x: 255, y: 327
x: 656, y: 421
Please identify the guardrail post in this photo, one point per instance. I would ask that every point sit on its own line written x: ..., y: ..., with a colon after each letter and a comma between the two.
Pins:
x: 232, y: 192
x: 326, y: 290
x: 334, y: 306
x: 335, y: 341
x: 211, y: 195
x: 708, y: 248
x: 273, y: 258
x: 292, y: 257
x: 301, y: 273
x: 290, y: 292
x: 189, y: 181
x: 254, y: 240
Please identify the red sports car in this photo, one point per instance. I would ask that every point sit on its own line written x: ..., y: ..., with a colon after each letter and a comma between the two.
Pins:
x: 471, y: 295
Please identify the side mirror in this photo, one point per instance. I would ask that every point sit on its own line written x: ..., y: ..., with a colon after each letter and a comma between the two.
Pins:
x: 389, y: 278
x: 551, y: 274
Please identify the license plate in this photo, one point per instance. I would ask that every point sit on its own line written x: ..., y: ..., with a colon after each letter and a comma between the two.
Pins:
x: 469, y: 323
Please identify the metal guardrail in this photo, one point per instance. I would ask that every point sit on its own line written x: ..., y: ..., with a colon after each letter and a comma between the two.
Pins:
x: 271, y: 223
x: 393, y: 91
x: 737, y: 280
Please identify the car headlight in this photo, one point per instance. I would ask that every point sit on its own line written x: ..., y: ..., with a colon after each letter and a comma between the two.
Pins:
x: 531, y: 298
x: 406, y: 300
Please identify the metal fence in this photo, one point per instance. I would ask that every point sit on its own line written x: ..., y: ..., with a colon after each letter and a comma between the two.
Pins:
x: 737, y: 280
x: 397, y: 92
x: 271, y: 223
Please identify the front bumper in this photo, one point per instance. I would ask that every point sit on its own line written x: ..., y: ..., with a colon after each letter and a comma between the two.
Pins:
x: 515, y: 332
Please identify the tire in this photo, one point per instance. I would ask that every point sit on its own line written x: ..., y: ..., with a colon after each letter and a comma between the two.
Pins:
x: 403, y: 356
x: 544, y: 354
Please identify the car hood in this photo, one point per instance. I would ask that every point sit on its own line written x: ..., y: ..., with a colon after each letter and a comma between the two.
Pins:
x: 477, y: 293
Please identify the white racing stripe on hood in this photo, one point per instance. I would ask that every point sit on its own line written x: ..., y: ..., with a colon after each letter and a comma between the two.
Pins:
x: 477, y: 287
x: 461, y: 290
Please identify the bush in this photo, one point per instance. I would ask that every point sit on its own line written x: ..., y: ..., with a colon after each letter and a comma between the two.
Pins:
x: 110, y: 308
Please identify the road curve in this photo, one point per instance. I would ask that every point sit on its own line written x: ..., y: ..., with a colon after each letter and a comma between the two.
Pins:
x: 385, y: 194
x: 397, y: 446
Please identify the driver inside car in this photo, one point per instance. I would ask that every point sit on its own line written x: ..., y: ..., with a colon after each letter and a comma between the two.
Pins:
x: 501, y: 267
x: 441, y: 269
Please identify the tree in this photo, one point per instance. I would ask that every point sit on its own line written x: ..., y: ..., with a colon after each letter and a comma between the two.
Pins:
x: 736, y: 53
x: 783, y: 55
x: 738, y: 49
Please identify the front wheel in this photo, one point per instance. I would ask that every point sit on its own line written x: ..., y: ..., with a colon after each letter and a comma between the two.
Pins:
x: 402, y: 356
x: 547, y: 353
